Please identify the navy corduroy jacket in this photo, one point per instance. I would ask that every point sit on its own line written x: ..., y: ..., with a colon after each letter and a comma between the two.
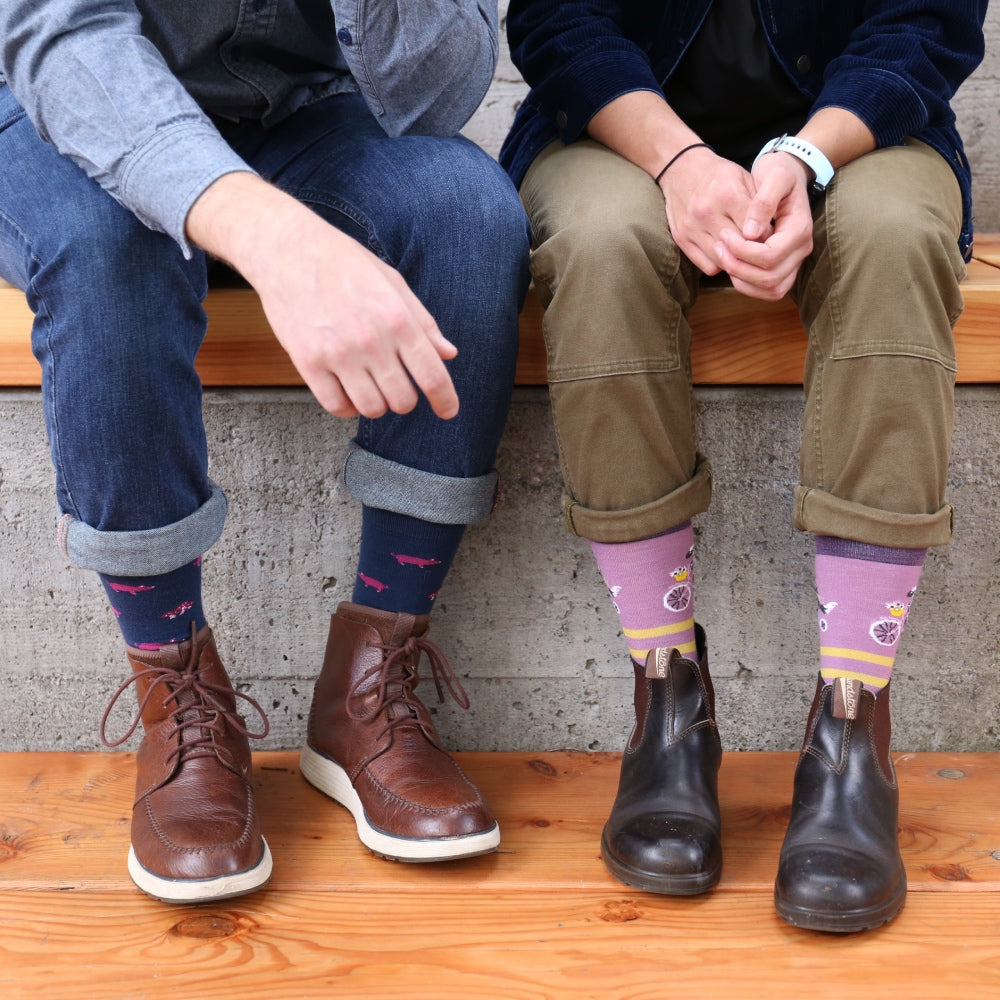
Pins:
x: 896, y: 64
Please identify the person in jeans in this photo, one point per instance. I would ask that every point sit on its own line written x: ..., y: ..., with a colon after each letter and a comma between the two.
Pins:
x: 801, y: 149
x: 318, y: 155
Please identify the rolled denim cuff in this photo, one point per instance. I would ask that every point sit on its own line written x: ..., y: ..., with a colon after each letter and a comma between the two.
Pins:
x: 149, y: 552
x: 387, y: 485
x: 822, y: 513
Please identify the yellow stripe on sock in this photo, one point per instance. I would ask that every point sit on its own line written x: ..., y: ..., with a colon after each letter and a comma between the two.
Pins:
x: 659, y: 630
x: 857, y: 654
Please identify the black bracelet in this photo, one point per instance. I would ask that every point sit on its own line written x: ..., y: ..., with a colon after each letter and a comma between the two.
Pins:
x: 677, y: 156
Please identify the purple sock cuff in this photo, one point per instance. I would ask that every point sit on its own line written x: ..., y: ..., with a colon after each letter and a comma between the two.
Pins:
x: 677, y: 527
x: 827, y: 545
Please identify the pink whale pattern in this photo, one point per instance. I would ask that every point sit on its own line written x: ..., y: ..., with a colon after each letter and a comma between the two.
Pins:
x: 129, y: 588
x: 179, y: 610
x: 414, y: 560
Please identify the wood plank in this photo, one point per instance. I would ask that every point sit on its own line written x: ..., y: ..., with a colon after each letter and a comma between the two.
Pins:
x: 17, y: 364
x: 736, y: 340
x: 64, y: 822
x: 987, y: 248
x: 487, y: 946
x: 540, y: 919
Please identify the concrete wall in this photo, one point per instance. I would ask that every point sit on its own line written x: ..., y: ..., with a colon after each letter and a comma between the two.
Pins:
x: 977, y: 106
x: 524, y: 617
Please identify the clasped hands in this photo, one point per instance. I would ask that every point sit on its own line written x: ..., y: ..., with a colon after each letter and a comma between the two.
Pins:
x: 757, y: 228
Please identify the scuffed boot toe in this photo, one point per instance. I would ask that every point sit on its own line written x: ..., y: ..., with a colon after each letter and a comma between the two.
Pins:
x: 665, y: 853
x: 832, y: 889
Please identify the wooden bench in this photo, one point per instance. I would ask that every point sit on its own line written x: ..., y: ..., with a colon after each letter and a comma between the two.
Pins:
x: 737, y: 340
x: 540, y: 920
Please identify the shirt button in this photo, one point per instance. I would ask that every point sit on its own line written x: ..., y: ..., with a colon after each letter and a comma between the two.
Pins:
x: 803, y: 64
x: 344, y: 36
x: 562, y: 120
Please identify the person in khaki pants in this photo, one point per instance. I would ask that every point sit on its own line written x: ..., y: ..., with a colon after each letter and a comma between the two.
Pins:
x: 809, y: 152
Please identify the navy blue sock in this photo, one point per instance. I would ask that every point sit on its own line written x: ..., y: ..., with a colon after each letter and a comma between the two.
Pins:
x: 154, y: 611
x: 403, y: 561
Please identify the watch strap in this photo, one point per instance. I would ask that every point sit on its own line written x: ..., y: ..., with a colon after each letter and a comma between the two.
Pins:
x: 810, y: 155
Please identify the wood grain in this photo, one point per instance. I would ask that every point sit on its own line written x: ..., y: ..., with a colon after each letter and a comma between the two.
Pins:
x: 65, y: 818
x: 485, y: 946
x: 736, y: 340
x: 539, y: 920
x: 987, y: 248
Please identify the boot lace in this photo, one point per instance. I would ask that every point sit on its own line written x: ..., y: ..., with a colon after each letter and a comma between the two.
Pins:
x: 200, y: 714
x: 397, y: 677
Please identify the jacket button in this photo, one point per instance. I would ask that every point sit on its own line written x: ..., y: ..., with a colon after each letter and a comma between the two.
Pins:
x: 803, y: 64
x: 562, y: 120
x: 344, y: 37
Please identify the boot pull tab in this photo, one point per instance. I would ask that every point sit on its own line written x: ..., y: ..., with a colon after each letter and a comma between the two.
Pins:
x: 846, y: 698
x: 658, y: 662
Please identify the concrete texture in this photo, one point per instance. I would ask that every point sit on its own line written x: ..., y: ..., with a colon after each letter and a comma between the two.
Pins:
x: 524, y: 617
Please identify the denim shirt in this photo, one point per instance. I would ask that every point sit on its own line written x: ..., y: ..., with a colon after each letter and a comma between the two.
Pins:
x: 894, y: 63
x: 128, y: 89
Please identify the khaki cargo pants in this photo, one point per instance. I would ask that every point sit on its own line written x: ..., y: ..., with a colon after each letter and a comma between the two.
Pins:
x: 878, y: 299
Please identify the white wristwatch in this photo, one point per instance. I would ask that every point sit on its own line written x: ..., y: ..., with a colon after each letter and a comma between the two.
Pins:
x: 812, y: 157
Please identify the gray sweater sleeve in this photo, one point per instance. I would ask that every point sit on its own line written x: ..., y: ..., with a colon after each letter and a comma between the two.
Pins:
x: 102, y: 94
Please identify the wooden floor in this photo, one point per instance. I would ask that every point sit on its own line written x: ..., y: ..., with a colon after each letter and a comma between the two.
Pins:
x: 540, y: 919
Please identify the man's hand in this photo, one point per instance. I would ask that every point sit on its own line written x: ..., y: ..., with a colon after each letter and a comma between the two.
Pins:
x: 764, y: 260
x: 763, y: 254
x: 354, y: 331
x: 705, y: 196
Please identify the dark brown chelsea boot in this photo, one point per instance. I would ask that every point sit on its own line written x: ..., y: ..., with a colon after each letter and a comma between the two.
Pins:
x: 664, y: 831
x: 840, y: 867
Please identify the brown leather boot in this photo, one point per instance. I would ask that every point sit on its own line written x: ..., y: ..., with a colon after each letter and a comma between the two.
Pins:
x: 195, y: 832
x: 840, y: 867
x: 664, y: 831
x: 373, y: 748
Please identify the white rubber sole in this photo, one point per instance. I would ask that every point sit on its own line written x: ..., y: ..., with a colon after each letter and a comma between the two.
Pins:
x: 178, y: 890
x: 332, y: 780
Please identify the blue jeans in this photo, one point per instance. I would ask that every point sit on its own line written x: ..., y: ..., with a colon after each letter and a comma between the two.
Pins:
x: 119, y: 320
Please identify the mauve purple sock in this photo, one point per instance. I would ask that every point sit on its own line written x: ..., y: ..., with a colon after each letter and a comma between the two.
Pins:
x: 864, y: 593
x: 652, y: 585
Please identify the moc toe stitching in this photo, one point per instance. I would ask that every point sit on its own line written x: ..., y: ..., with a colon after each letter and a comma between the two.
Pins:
x: 395, y: 797
x: 174, y: 861
x: 246, y: 834
x: 367, y: 721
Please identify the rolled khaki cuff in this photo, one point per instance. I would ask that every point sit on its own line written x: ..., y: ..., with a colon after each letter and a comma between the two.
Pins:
x: 823, y: 513
x: 648, y: 520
